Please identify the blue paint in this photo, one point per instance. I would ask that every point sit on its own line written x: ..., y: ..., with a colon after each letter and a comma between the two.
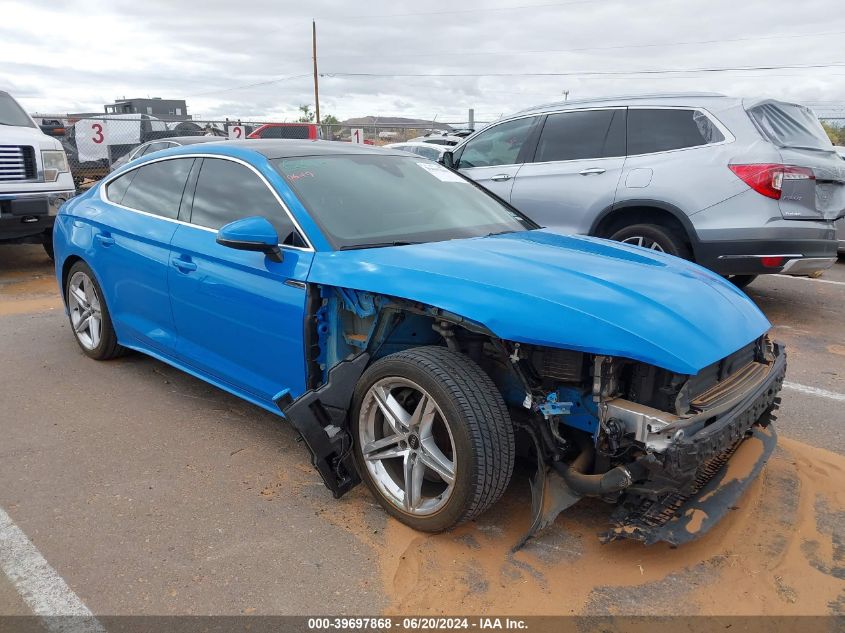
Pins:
x: 230, y: 318
x: 570, y: 292
x: 583, y: 413
x: 554, y: 406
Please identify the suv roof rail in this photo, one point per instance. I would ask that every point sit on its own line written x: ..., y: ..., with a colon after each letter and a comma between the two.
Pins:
x: 655, y: 95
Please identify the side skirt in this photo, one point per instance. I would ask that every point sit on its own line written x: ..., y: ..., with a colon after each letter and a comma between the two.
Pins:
x: 321, y: 418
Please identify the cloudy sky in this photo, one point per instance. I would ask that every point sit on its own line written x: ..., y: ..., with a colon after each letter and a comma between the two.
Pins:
x: 251, y: 59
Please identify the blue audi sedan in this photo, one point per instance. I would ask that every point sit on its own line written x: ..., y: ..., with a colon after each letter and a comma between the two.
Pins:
x: 416, y: 330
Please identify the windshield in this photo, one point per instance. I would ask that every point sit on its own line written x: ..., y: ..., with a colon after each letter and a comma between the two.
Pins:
x: 379, y: 200
x: 790, y: 125
x: 11, y: 113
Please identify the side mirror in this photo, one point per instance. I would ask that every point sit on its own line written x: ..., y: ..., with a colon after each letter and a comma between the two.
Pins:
x: 447, y: 159
x: 251, y: 234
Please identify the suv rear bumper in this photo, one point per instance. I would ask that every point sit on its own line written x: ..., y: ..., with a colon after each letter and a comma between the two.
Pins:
x: 26, y: 217
x: 757, y: 257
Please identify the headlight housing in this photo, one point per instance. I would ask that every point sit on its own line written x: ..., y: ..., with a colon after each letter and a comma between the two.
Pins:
x: 54, y: 162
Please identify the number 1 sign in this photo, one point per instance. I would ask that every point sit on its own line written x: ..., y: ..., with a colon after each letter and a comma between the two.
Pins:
x: 357, y: 135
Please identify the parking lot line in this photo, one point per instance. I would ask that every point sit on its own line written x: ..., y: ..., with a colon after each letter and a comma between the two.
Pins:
x: 821, y: 281
x: 41, y: 587
x: 815, y: 391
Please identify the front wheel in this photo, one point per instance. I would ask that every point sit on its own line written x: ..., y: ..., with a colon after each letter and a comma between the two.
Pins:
x: 433, y: 438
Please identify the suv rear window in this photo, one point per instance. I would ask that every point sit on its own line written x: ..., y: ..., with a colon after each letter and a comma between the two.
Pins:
x: 790, y: 125
x: 661, y: 130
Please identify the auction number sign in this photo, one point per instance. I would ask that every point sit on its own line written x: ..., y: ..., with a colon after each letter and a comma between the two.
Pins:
x: 356, y: 135
x: 236, y: 131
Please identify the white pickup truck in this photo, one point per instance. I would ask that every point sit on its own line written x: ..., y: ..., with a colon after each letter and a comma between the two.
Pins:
x: 34, y: 178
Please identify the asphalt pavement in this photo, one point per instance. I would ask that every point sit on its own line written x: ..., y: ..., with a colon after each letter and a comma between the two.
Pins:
x: 151, y: 492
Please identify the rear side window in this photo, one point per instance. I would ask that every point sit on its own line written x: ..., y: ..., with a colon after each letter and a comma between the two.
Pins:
x: 663, y: 130
x: 581, y: 135
x: 154, y: 188
x: 790, y: 125
x: 498, y: 145
x: 227, y: 191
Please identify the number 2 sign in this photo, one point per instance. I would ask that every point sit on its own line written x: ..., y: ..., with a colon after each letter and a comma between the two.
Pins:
x: 235, y: 131
x: 356, y: 135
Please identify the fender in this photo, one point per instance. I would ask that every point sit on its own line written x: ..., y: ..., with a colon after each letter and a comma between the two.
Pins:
x: 679, y: 215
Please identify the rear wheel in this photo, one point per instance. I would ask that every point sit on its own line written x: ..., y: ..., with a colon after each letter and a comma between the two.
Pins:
x: 653, y: 237
x: 433, y: 438
x: 89, y: 315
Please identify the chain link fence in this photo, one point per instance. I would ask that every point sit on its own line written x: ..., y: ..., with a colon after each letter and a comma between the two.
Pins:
x: 95, y: 145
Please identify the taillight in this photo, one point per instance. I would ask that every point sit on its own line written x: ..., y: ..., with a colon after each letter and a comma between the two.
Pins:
x: 767, y: 178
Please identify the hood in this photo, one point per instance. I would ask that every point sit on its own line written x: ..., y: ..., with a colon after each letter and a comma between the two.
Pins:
x: 16, y: 135
x: 569, y: 292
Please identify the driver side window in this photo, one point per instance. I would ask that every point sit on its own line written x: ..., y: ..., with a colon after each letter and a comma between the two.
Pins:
x: 227, y: 191
x: 500, y: 145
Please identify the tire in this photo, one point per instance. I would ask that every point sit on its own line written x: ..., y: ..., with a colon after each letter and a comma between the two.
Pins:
x: 84, y: 298
x: 463, y: 417
x: 48, y: 246
x: 654, y: 237
x: 741, y: 281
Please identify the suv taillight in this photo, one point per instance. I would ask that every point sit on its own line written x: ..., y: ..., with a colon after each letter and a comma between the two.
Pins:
x: 767, y: 178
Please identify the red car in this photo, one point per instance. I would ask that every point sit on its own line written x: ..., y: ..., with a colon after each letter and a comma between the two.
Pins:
x: 287, y: 130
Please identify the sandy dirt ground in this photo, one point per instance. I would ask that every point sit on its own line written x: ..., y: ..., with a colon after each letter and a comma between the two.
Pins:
x: 781, y: 551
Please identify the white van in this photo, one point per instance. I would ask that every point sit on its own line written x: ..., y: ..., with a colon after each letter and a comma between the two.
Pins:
x: 34, y: 178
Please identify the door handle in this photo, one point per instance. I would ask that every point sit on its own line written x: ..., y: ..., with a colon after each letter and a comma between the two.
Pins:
x: 104, y: 240
x: 590, y: 171
x: 184, y: 265
x: 500, y: 177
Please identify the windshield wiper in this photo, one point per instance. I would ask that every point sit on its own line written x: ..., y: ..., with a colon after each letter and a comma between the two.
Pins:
x: 505, y: 232
x: 353, y: 247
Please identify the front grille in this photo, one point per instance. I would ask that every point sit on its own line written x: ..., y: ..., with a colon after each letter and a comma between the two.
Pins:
x: 718, y: 371
x: 17, y: 162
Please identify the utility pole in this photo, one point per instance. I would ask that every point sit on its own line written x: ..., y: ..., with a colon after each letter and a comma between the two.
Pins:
x: 316, y: 85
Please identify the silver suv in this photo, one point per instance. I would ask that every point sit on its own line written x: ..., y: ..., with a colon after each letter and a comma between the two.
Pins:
x: 741, y: 186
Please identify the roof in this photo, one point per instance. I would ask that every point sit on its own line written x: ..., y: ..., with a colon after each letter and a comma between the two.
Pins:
x: 189, y: 140
x: 289, y: 148
x: 691, y: 98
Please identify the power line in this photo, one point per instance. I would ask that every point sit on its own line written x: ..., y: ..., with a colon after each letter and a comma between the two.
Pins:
x: 575, y: 73
x: 458, y: 11
x: 596, y: 48
x: 254, y: 85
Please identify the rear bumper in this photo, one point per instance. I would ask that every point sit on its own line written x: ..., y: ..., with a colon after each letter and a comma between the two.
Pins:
x: 754, y: 257
x: 29, y: 216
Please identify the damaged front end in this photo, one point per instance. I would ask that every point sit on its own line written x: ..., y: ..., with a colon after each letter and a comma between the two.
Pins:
x: 662, y: 446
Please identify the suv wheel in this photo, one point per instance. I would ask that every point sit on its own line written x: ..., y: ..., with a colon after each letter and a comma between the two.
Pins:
x: 741, y: 281
x: 433, y: 439
x: 653, y: 237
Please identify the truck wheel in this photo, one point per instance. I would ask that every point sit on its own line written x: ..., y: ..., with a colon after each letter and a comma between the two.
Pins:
x: 433, y: 439
x: 741, y: 281
x: 89, y: 315
x: 653, y: 237
x: 48, y: 246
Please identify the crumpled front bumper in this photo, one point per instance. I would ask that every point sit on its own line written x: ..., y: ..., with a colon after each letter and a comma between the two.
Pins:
x: 701, y: 477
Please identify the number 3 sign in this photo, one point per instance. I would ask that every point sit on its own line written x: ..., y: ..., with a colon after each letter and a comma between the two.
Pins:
x: 92, y: 139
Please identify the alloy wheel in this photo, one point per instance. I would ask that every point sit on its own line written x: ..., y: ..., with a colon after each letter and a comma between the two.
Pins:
x: 644, y: 242
x: 86, y: 316
x: 407, y: 445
